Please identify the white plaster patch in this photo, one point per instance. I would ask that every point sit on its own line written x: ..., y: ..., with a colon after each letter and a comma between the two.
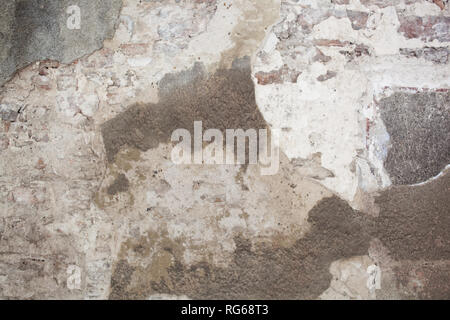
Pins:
x: 139, y: 62
x: 351, y: 278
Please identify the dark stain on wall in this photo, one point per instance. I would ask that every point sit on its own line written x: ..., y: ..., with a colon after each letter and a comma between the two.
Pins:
x: 223, y: 100
x: 120, y: 184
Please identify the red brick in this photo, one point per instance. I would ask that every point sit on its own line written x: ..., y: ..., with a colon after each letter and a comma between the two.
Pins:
x: 425, y: 28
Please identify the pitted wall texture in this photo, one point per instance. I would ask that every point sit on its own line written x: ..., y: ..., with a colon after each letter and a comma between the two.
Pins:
x: 93, y: 207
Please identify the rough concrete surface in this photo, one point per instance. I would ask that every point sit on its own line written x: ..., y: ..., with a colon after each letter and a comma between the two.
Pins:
x: 35, y: 30
x: 92, y: 205
x: 417, y: 154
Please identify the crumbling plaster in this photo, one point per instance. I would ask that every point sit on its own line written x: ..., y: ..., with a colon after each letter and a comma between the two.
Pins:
x: 343, y: 81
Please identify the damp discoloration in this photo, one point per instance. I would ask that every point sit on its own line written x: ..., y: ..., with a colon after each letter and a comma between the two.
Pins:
x: 120, y: 184
x: 33, y: 30
x: 417, y: 124
x: 253, y: 24
x: 156, y: 252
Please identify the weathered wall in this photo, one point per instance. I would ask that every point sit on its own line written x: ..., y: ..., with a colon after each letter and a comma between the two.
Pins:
x: 359, y: 208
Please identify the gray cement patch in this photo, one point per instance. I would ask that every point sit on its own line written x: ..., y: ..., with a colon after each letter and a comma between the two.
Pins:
x: 224, y: 100
x: 418, y: 126
x: 268, y: 272
x: 33, y: 30
x: 414, y: 222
